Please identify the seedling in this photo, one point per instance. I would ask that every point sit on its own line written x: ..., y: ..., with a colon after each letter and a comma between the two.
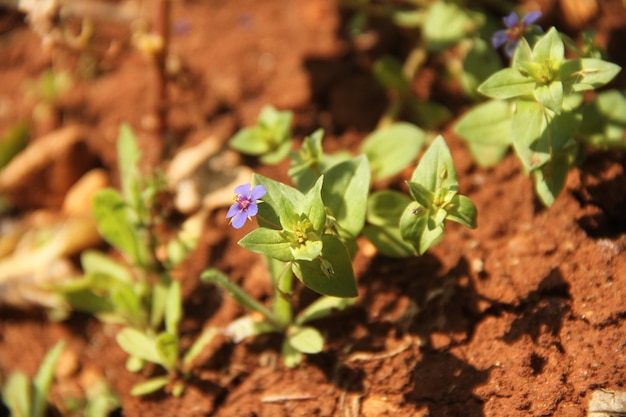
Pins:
x: 26, y: 398
x: 536, y: 107
x: 310, y: 231
x: 140, y: 294
x: 269, y: 139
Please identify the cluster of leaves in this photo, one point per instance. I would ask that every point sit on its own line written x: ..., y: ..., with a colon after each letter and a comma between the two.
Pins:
x: 138, y: 293
x: 537, y: 107
x: 309, y: 231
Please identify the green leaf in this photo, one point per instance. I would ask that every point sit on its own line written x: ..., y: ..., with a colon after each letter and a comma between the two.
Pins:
x: 111, y: 214
x: 419, y: 228
x: 388, y: 240
x: 291, y: 356
x: 385, y: 207
x: 127, y: 302
x: 149, y: 386
x: 421, y: 194
x: 206, y: 337
x: 93, y: 261
x: 550, y: 95
x: 249, y: 141
x: 550, y: 179
x: 16, y: 394
x: 312, y: 206
x: 507, y: 83
x: 345, y: 191
x: 331, y: 273
x: 392, y: 148
x: 479, y: 63
x: 279, y: 206
x: 307, y: 251
x: 173, y: 308
x: 388, y: 71
x: 277, y: 154
x: 487, y: 130
x: 305, y: 339
x: 436, y: 168
x: 549, y: 49
x: 596, y: 73
x: 167, y: 348
x: 447, y: 22
x: 138, y: 344
x: 43, y: 379
x: 529, y: 127
x: 270, y: 242
x: 462, y: 210
x: 323, y: 307
x: 128, y: 160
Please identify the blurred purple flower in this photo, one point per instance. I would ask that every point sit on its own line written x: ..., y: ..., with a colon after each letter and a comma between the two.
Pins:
x: 245, y: 205
x: 515, y: 31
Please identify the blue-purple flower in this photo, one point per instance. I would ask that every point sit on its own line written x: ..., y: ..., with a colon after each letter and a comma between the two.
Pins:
x: 515, y: 31
x: 245, y: 205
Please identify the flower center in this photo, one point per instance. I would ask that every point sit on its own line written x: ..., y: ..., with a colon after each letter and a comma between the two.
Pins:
x: 243, y: 202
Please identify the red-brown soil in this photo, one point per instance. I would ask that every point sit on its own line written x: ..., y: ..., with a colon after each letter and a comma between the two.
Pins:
x: 523, y: 316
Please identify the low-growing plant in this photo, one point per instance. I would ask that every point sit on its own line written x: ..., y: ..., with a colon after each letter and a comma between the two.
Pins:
x: 310, y: 232
x: 537, y: 106
x: 25, y: 398
x: 139, y: 293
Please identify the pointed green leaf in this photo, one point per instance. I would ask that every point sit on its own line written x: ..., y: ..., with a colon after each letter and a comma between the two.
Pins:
x: 96, y: 261
x: 206, y: 337
x: 528, y: 127
x: 43, y: 379
x: 550, y: 179
x: 173, y: 308
x: 507, y: 83
x: 436, y: 169
x: 279, y: 206
x: 388, y: 71
x: 462, y: 210
x: 549, y: 49
x: 596, y: 73
x: 16, y: 394
x: 127, y: 302
x: 330, y: 275
x: 421, y: 194
x: 270, y: 242
x: 111, y: 214
x: 550, y: 95
x: 448, y: 22
x: 167, y: 348
x: 345, y: 191
x: 249, y: 141
x: 312, y: 206
x: 392, y: 148
x: 136, y: 343
x: 128, y: 161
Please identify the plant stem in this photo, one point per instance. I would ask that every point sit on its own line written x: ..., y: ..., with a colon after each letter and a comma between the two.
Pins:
x: 282, y: 281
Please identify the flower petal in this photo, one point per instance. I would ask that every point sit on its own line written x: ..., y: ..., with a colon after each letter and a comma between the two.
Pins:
x: 239, y: 220
x: 257, y: 192
x: 531, y: 17
x: 252, y: 210
x: 243, y: 189
x: 499, y: 38
x: 511, y: 20
x: 233, y: 210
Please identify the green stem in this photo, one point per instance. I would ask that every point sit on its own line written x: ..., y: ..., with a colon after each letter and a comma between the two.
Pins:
x: 216, y: 277
x: 282, y: 281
